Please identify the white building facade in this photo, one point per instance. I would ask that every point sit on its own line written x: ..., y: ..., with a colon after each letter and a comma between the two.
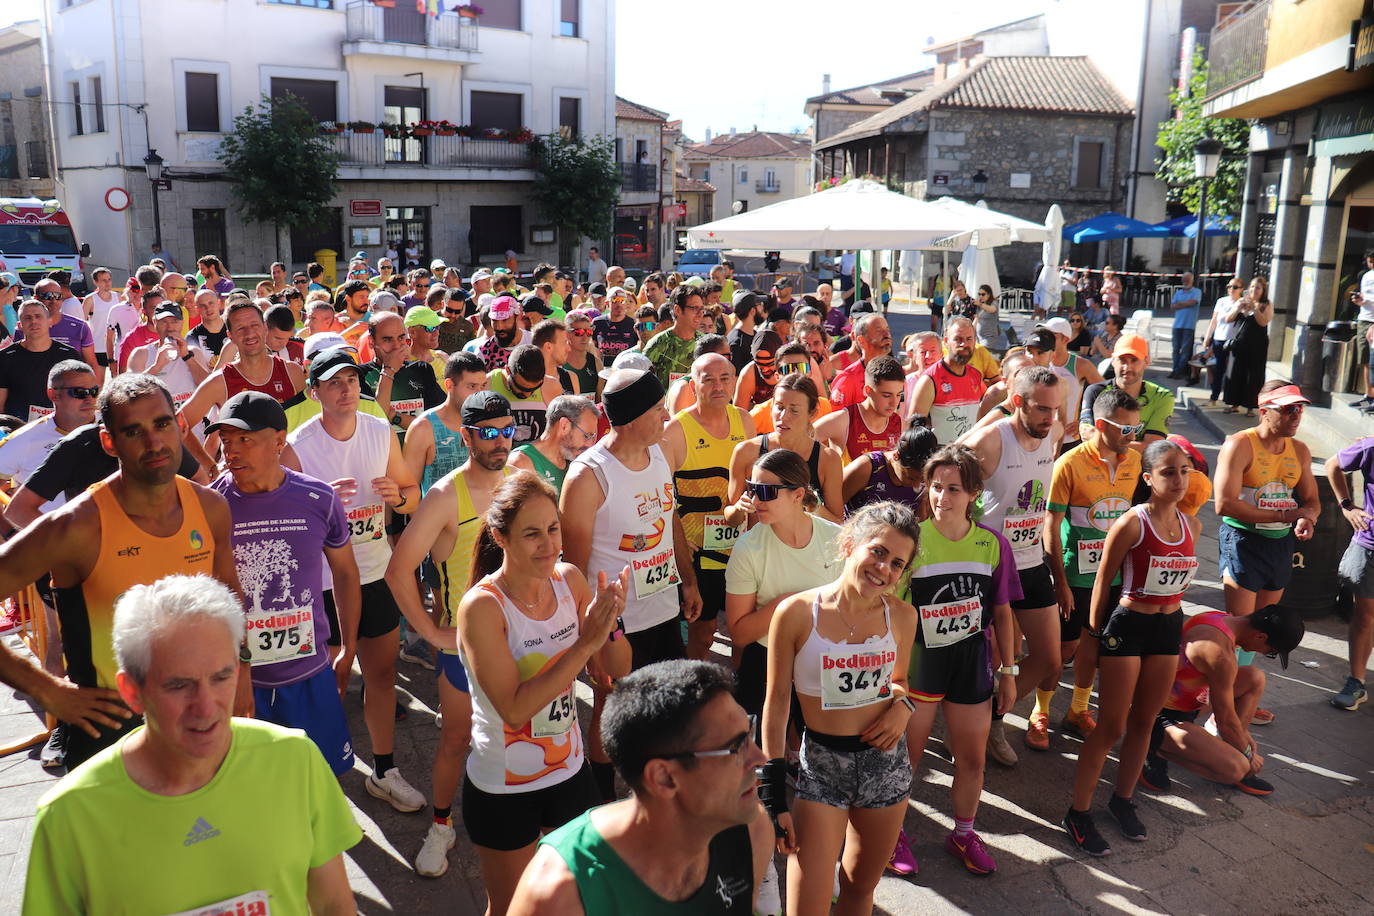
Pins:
x: 127, y: 80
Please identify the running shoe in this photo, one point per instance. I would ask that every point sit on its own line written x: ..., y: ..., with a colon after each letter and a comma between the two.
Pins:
x: 1083, y: 833
x: 1351, y: 695
x: 973, y: 854
x: 769, y: 902
x: 1365, y: 401
x: 394, y: 790
x: 433, y: 858
x: 54, y: 754
x: 1080, y: 723
x: 1038, y: 732
x: 417, y: 653
x: 1122, y: 811
x: 998, y: 748
x: 1253, y: 785
x: 1262, y: 717
x: 1155, y: 775
x: 903, y: 860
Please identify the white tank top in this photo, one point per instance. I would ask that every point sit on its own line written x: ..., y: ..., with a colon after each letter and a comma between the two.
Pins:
x: 364, y: 458
x: 1014, y: 497
x: 100, y: 317
x: 634, y: 527
x: 1073, y: 388
x: 546, y: 750
x: 846, y: 675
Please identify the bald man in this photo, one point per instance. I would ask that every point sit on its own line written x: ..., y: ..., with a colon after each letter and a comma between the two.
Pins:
x: 698, y: 443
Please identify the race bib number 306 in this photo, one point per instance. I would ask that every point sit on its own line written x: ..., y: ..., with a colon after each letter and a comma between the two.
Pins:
x: 858, y: 678
x: 716, y: 534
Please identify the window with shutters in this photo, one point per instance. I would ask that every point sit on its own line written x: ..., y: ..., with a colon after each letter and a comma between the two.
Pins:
x: 501, y: 14
x: 497, y: 109
x: 320, y: 97
x: 569, y: 20
x: 202, y: 102
x: 570, y: 118
x: 1087, y: 166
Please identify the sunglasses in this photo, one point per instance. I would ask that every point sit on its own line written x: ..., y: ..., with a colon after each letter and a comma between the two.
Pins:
x: 792, y: 368
x: 421, y: 286
x: 488, y: 433
x: 1235, y: 286
x: 767, y: 492
x: 80, y: 393
x: 580, y: 332
x: 1131, y: 431
x: 646, y: 325
x: 48, y: 296
x: 449, y: 311
x: 301, y: 282
x: 1288, y: 410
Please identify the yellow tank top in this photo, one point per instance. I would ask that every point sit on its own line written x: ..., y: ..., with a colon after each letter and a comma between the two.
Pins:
x: 128, y: 556
x: 703, y: 486
x: 1268, y: 483
x: 455, y: 572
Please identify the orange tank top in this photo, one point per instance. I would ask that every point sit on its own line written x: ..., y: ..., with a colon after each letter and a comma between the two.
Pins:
x: 128, y: 556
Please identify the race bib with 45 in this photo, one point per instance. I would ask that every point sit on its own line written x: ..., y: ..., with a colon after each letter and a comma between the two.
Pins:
x: 366, y: 523
x: 716, y: 534
x: 276, y: 636
x: 854, y: 677
x: 948, y: 623
x: 1168, y: 576
x: 557, y: 718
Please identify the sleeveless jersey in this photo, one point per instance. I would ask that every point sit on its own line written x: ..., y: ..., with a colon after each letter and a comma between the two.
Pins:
x: 1268, y: 483
x: 1015, y: 496
x: 845, y: 675
x: 586, y: 377
x: 703, y: 487
x: 549, y: 472
x: 1091, y: 497
x: 1073, y: 389
x: 455, y: 570
x: 278, y: 384
x: 546, y: 750
x: 862, y: 440
x: 1157, y: 571
x: 634, y: 528
x: 882, y: 487
x: 1189, y: 683
x: 955, y: 408
x: 609, y: 887
x: 530, y: 412
x: 449, y: 451
x: 363, y: 457
x: 127, y: 556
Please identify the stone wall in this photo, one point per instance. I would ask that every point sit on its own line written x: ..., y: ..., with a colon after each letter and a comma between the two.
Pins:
x: 24, y: 118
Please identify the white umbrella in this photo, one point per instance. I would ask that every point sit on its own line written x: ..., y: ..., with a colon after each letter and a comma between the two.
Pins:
x: 858, y: 215
x: 979, y: 266
x: 1010, y: 228
x: 1047, y: 285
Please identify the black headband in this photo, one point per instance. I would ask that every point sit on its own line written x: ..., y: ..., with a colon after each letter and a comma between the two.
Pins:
x: 625, y: 405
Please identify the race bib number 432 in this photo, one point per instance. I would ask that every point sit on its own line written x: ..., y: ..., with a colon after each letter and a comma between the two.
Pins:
x: 654, y: 572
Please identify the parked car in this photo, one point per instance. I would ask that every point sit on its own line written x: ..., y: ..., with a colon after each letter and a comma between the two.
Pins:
x: 697, y: 262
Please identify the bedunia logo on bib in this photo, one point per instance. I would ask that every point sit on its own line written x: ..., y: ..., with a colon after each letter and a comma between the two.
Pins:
x: 858, y: 660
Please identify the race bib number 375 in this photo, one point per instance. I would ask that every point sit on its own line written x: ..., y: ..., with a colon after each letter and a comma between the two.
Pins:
x: 276, y: 636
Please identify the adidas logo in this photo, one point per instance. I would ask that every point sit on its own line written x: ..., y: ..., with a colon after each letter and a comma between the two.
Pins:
x: 201, y: 830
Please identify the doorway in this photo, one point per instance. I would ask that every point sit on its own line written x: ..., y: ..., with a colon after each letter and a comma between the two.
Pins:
x: 408, y: 225
x: 404, y: 105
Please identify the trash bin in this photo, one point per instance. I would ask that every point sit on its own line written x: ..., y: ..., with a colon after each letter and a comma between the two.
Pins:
x: 1338, y: 352
x: 1314, y: 589
x: 328, y: 258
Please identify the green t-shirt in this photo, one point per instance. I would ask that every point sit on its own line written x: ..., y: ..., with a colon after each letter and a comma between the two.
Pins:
x: 103, y: 844
x: 546, y: 469
x: 671, y: 355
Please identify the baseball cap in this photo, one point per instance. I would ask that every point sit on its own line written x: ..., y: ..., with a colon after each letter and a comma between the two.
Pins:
x: 531, y: 302
x: 782, y: 283
x: 628, y: 359
x: 168, y: 310
x: 480, y: 274
x: 360, y: 256
x: 502, y: 308
x: 1058, y: 326
x: 1132, y: 345
x: 615, y: 291
x: 1282, y: 397
x: 437, y: 265
x: 384, y: 300
x: 331, y: 362
x: 485, y: 405
x: 1041, y: 339
x: 694, y: 282
x: 630, y: 284
x: 422, y: 316
x: 10, y: 278
x: 742, y: 294
x: 1284, y: 628
x: 251, y: 411
x: 596, y: 289
x: 325, y: 340
x: 502, y: 270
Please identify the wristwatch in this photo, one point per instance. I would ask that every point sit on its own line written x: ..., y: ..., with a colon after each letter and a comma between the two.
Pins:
x: 1347, y: 504
x: 1012, y: 670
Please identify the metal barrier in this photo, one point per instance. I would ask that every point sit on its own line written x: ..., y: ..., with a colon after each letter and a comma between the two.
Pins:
x: 29, y: 619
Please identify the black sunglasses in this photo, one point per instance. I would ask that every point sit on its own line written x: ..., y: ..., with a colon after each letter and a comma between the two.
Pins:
x: 48, y: 296
x: 767, y: 492
x: 81, y: 393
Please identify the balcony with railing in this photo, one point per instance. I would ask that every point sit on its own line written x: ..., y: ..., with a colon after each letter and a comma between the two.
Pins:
x: 399, y: 155
x: 636, y: 176
x: 401, y: 31
x: 1237, y: 48
x: 767, y: 186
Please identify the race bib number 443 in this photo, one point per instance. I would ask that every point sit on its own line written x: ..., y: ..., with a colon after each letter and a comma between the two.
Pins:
x: 948, y: 623
x: 857, y: 678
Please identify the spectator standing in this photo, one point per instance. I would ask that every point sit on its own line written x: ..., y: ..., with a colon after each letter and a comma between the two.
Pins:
x: 1184, y: 303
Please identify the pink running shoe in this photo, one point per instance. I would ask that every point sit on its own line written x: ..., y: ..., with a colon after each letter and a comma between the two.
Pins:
x: 973, y: 853
x: 903, y: 861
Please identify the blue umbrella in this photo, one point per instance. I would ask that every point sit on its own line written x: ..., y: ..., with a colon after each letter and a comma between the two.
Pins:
x: 1216, y: 225
x: 1108, y: 226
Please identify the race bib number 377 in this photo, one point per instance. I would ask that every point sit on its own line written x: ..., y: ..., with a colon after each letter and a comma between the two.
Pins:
x: 1168, y: 576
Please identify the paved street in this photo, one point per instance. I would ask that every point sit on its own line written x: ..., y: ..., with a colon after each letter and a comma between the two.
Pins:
x: 1308, y: 848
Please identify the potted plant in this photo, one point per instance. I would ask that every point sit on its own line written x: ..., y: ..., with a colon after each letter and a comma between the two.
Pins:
x: 394, y: 131
x: 445, y: 128
x: 493, y: 133
x: 466, y: 130
x: 523, y: 135
x: 331, y: 127
x: 422, y: 128
x: 362, y: 127
x: 469, y: 10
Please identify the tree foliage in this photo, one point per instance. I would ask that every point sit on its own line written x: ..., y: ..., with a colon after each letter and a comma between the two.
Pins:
x: 1178, y: 136
x: 282, y: 169
x: 576, y: 185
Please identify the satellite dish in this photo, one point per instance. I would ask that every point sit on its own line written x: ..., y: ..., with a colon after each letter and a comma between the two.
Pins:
x: 737, y: 207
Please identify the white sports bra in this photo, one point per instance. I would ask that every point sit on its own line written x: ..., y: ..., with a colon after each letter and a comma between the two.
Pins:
x: 846, y: 675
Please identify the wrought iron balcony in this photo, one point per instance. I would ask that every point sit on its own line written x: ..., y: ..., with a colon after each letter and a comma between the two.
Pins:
x: 434, y: 152
x: 395, y: 31
x: 638, y: 177
x: 764, y: 186
x: 1236, y: 50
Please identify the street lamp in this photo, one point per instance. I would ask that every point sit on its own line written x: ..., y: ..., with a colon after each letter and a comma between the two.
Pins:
x: 980, y: 183
x: 152, y: 164
x: 1206, y: 158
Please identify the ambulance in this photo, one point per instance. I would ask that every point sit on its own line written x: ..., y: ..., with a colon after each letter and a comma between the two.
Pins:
x: 36, y: 237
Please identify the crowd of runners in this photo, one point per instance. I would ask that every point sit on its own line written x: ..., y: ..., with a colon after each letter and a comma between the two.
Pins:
x: 771, y: 545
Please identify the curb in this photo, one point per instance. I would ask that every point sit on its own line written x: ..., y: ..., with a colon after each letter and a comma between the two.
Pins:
x: 1204, y: 419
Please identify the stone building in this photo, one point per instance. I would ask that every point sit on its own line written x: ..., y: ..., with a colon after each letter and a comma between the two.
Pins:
x: 831, y: 112
x: 1031, y: 131
x: 751, y: 170
x: 646, y: 179
x: 25, y: 156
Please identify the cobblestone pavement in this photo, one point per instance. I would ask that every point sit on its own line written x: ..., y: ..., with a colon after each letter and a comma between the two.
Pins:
x: 1307, y: 848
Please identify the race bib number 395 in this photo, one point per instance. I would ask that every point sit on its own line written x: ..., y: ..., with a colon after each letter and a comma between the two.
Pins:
x: 1023, y: 531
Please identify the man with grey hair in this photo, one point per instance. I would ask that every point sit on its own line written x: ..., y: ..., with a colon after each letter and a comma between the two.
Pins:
x: 140, y: 523
x: 187, y: 778
x: 72, y: 388
x: 947, y: 395
x: 571, y: 430
x: 62, y: 327
x: 873, y: 338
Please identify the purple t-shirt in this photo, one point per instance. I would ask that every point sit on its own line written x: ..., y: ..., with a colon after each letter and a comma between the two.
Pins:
x: 1359, y: 456
x: 224, y: 286
x: 835, y: 322
x: 279, y: 540
x: 73, y: 332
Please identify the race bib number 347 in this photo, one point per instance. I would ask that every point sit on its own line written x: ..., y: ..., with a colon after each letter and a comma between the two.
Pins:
x: 856, y: 678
